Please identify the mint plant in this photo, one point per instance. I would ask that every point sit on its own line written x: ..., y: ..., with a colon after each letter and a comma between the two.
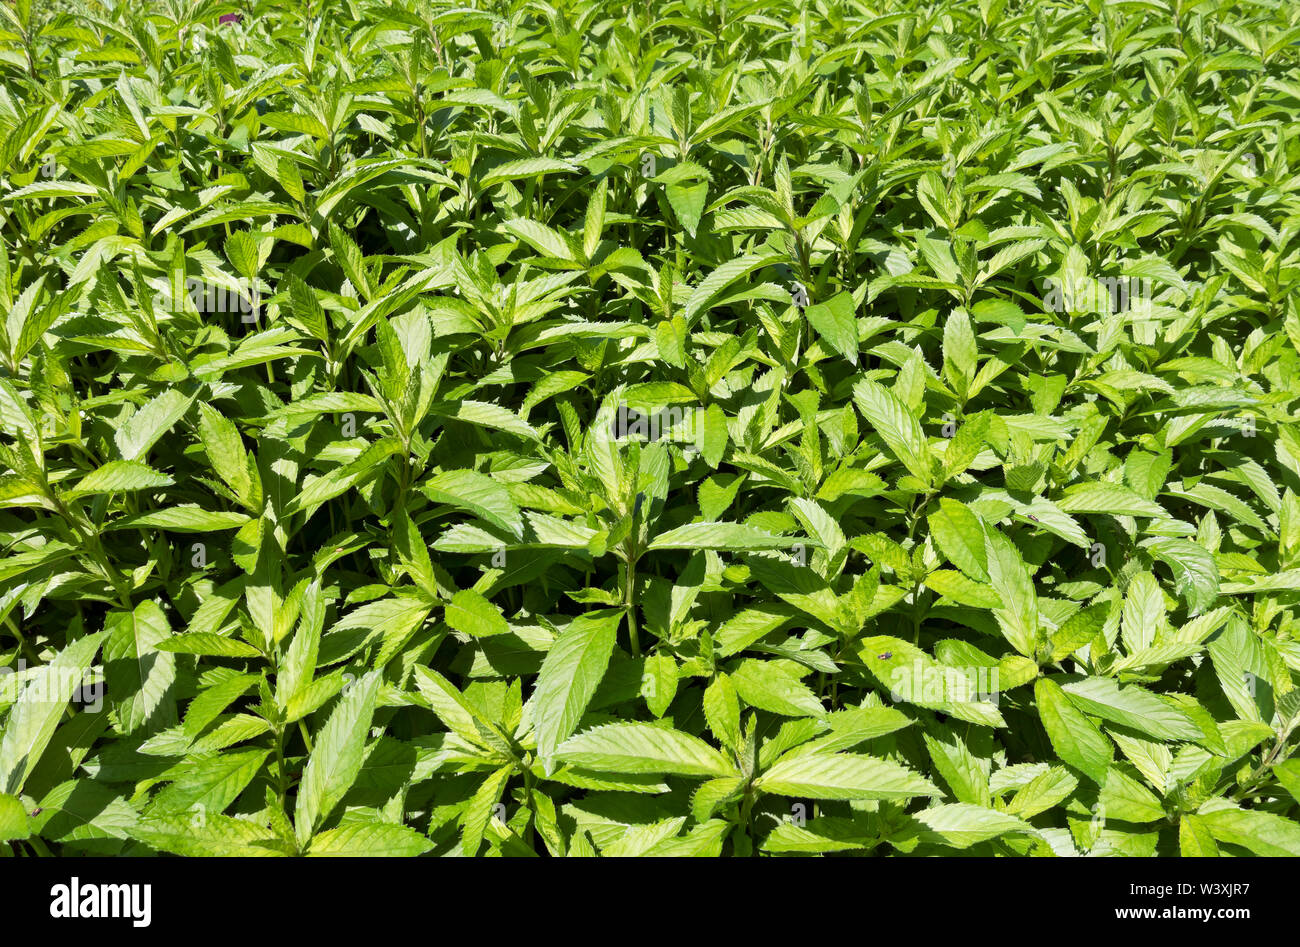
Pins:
x: 714, y: 429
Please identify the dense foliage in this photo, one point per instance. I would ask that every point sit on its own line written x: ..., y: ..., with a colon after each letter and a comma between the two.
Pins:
x: 698, y: 428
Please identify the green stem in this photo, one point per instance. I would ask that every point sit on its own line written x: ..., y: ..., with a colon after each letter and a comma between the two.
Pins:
x: 916, y: 613
x: 23, y: 642
x: 1256, y: 777
x: 747, y: 821
x: 629, y: 600
x: 281, y: 777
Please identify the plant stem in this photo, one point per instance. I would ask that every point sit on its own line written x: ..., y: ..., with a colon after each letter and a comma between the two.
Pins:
x: 629, y: 601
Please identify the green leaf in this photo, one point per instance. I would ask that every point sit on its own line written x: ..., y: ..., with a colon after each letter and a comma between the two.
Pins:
x: 478, y: 813
x: 336, y: 756
x: 1263, y: 833
x: 369, y: 840
x: 959, y: 534
x: 715, y: 284
x: 1131, y: 707
x: 208, y: 784
x: 1196, y: 576
x: 959, y: 825
x: 202, y: 642
x: 13, y: 819
x: 642, y: 748
x: 146, y: 426
x: 1102, y: 497
x: 140, y: 676
x: 713, y: 435
x: 1079, y: 629
x: 819, y: 775
x: 1049, y: 788
x: 688, y: 204
x: 33, y: 719
x: 525, y: 168
x: 184, y: 519
x: 722, y: 711
x: 659, y: 683
x: 1126, y: 799
x: 1195, y: 839
x: 470, y: 613
x: 770, y: 686
x: 449, y: 704
x: 121, y: 476
x: 1075, y: 738
x: 225, y: 450
x: 216, y: 836
x: 478, y: 494
x: 721, y: 536
x: 960, y: 351
x: 835, y: 323
x: 1010, y: 578
x: 570, y: 674
x: 897, y: 427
